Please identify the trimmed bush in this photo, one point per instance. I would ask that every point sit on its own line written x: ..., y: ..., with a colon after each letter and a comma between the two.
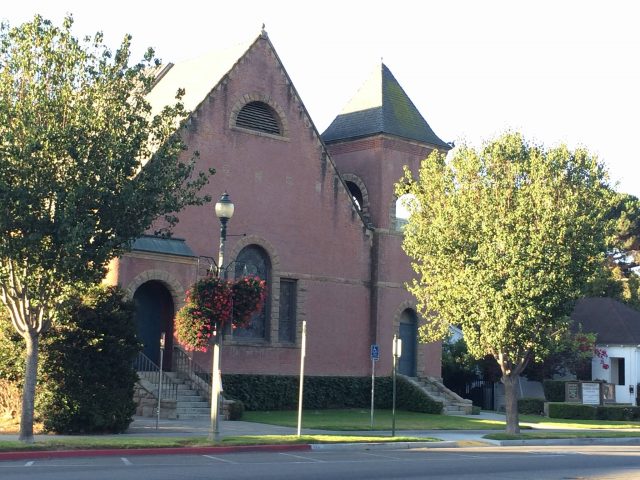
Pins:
x: 531, y: 406
x: 236, y: 410
x: 280, y: 392
x: 554, y: 390
x: 87, y: 370
x: 574, y: 411
x: 617, y: 412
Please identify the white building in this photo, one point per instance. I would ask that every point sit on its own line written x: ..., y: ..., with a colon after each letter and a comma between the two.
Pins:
x: 617, y: 327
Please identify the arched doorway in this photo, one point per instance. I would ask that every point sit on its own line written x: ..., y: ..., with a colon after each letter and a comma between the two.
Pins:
x: 154, y: 315
x: 408, y: 332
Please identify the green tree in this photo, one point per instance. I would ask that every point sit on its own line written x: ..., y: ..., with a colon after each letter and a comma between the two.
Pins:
x: 503, y: 241
x: 617, y: 277
x: 84, y: 169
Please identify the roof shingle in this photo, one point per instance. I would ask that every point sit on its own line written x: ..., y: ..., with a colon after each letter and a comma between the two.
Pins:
x: 382, y: 106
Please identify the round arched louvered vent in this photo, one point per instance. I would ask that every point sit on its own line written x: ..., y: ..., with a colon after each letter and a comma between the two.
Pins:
x: 260, y: 117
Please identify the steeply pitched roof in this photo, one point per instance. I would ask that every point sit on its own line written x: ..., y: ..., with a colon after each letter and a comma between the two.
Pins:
x: 197, y: 76
x: 611, y: 320
x: 382, y: 106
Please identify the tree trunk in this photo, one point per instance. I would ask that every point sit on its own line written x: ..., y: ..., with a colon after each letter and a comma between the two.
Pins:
x: 29, y: 389
x: 511, y: 403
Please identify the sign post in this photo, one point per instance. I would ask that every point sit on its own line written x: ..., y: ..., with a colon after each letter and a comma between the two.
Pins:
x: 303, y: 351
x: 375, y: 356
x: 397, y: 353
x: 160, y: 379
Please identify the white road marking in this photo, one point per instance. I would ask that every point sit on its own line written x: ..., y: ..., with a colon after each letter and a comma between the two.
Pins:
x: 125, y: 461
x: 28, y: 464
x: 308, y: 459
x: 219, y: 459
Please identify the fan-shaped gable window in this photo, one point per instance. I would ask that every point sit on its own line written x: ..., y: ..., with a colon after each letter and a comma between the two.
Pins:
x: 260, y: 117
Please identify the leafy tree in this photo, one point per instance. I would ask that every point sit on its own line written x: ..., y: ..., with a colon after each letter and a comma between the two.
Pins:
x: 503, y: 241
x: 617, y: 276
x: 87, y: 367
x: 84, y: 170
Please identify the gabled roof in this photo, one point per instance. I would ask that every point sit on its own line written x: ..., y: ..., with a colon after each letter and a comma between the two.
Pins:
x: 198, y: 77
x: 382, y: 106
x: 612, y: 321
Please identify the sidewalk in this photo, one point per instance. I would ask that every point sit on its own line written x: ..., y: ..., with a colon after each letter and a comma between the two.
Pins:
x: 146, y: 427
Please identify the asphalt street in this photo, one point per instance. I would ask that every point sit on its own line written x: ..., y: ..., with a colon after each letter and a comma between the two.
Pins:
x: 518, y: 463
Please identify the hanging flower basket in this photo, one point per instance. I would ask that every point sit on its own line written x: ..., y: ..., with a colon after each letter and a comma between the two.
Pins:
x: 249, y: 294
x: 212, y: 303
x: 207, y: 309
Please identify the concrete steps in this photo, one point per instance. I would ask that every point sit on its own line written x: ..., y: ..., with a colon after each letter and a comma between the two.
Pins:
x: 452, y: 403
x: 187, y: 402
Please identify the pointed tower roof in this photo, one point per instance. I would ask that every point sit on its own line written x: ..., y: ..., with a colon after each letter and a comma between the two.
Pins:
x: 382, y: 106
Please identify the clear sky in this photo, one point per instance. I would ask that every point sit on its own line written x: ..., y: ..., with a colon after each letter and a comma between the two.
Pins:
x: 559, y: 71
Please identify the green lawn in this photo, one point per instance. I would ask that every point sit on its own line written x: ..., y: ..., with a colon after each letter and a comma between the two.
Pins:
x: 360, y: 420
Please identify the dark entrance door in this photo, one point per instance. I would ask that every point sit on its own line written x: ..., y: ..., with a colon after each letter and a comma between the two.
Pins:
x: 409, y: 336
x: 154, y: 315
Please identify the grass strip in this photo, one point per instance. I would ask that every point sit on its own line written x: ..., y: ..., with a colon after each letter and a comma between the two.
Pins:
x: 559, y: 435
x: 88, y: 443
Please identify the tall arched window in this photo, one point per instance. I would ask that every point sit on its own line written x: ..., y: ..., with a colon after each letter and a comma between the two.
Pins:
x: 253, y: 260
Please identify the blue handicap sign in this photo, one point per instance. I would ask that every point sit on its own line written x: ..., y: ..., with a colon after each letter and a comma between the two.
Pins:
x: 375, y: 352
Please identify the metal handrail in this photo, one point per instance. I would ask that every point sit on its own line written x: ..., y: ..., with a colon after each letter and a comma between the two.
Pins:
x: 187, y: 368
x: 151, y: 372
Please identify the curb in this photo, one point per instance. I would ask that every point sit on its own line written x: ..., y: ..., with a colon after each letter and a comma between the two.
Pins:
x: 127, y: 452
x: 570, y: 441
x: 382, y: 445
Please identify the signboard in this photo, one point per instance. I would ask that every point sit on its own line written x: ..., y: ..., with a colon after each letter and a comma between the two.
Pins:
x: 572, y: 392
x: 591, y: 393
x: 375, y: 352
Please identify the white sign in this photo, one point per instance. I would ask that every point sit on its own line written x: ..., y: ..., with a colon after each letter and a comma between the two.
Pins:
x: 591, y: 393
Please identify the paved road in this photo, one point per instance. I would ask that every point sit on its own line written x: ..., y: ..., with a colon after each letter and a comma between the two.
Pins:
x: 520, y: 463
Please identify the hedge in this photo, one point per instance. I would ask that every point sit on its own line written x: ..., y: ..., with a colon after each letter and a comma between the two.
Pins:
x: 554, y: 390
x: 280, y: 392
x: 531, y: 406
x: 576, y: 411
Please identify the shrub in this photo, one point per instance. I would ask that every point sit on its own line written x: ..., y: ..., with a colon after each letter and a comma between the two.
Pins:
x: 10, y: 400
x: 87, y: 369
x: 280, y: 392
x: 12, y: 350
x: 531, y: 406
x: 554, y: 390
x: 617, y: 412
x: 573, y: 411
x: 236, y: 410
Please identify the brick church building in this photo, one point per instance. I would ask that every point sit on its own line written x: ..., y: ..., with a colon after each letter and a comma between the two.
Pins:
x: 315, y: 215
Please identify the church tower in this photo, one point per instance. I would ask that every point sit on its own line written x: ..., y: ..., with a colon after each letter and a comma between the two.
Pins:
x: 379, y: 132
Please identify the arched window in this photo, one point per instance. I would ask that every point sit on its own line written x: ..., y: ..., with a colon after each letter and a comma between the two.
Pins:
x: 253, y: 260
x: 356, y: 194
x: 404, y: 206
x: 260, y: 117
